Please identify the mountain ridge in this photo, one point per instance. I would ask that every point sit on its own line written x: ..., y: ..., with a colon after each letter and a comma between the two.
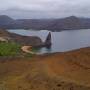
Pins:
x: 67, y: 23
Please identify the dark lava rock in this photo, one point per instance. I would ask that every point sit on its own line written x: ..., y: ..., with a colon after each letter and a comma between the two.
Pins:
x: 48, y: 40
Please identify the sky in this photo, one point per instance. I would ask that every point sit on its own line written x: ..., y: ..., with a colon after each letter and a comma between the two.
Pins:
x: 45, y: 8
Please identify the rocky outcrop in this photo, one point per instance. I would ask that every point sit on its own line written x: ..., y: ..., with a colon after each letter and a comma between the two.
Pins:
x: 4, y: 36
x: 4, y: 33
x: 31, y: 40
x: 48, y: 40
x: 24, y: 40
x: 4, y: 39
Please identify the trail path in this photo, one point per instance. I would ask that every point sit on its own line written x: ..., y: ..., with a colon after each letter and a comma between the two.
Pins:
x: 27, y: 49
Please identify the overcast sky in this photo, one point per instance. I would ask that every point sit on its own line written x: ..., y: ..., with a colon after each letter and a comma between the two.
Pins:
x: 45, y: 8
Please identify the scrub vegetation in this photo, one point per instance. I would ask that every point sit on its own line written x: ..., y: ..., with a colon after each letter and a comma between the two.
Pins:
x: 9, y: 49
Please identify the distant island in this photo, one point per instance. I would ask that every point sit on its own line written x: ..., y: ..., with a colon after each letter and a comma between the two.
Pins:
x: 68, y: 23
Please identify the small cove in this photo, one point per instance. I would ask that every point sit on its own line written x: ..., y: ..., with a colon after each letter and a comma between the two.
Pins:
x: 61, y: 41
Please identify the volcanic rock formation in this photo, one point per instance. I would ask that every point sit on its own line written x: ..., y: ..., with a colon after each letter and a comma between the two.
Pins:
x: 25, y: 40
x: 48, y: 40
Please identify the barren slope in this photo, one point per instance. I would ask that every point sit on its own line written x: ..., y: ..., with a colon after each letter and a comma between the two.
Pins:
x: 59, y: 71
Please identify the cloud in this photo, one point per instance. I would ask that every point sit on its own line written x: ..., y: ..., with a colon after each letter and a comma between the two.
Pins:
x: 45, y: 8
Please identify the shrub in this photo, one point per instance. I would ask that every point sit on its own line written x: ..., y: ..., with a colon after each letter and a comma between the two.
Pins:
x: 9, y: 49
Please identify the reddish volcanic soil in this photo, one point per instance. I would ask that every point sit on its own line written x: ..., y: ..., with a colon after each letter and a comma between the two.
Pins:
x: 59, y: 71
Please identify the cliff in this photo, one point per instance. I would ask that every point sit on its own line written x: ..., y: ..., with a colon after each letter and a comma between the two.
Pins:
x: 24, y: 40
x: 48, y: 40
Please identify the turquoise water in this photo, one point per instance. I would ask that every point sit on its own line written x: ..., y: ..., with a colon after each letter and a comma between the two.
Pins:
x: 61, y: 41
